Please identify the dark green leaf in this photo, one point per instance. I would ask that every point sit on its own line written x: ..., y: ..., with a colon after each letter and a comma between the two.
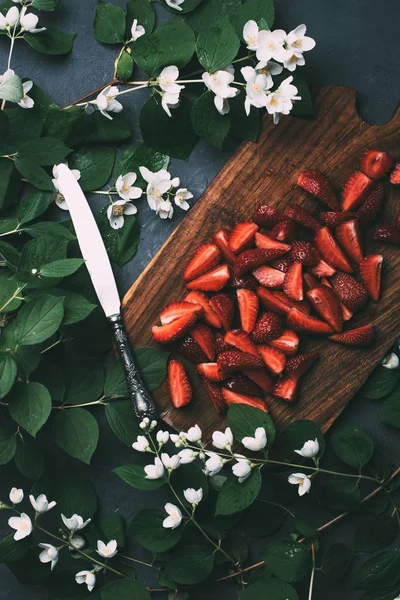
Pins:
x: 29, y: 571
x: 380, y: 383
x: 390, y: 413
x: 76, y: 307
x: 29, y: 459
x: 262, y: 519
x: 36, y: 254
x: 287, y: 560
x: 8, y: 373
x: 34, y: 173
x: 152, y: 364
x: 30, y: 406
x: 235, y: 496
x: 303, y: 107
x: 251, y: 9
x: 85, y: 382
x: 71, y: 126
x: 148, y: 531
x: 8, y: 445
x: 47, y: 5
x: 244, y: 127
x: 305, y: 528
x: 210, y: 12
x: 11, y: 89
x: 51, y: 41
x: 95, y: 164
x: 10, y: 184
x: 336, y: 561
x: 28, y: 357
x: 45, y: 151
x: 61, y: 268
x: 189, y: 476
x: 121, y: 244
x: 73, y: 492
x: 4, y: 127
x: 9, y: 299
x: 77, y: 433
x: 217, y: 46
x: 190, y: 565
x: 273, y: 589
x: 141, y: 11
x: 52, y: 377
x: 114, y: 529
x: 140, y: 155
x: 115, y: 385
x: 135, y: 476
x: 125, y: 66
x: 295, y: 435
x: 104, y: 131
x: 377, y: 504
x: 55, y: 230
x: 8, y: 225
x: 244, y: 420
x: 341, y: 495
x: 61, y: 585
x: 109, y: 23
x: 12, y: 551
x: 124, y: 590
x: 10, y: 256
x: 352, y: 445
x: 122, y: 421
x: 38, y: 320
x: 374, y: 533
x: 208, y: 123
x: 34, y: 205
x: 381, y: 570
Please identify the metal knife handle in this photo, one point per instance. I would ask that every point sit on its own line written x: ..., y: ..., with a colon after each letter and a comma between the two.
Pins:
x: 142, y: 404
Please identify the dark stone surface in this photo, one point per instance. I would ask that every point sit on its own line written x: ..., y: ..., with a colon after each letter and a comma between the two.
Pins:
x: 358, y: 46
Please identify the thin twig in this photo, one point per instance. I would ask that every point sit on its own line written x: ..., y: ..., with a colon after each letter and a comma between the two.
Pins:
x: 100, y: 89
x: 310, y: 589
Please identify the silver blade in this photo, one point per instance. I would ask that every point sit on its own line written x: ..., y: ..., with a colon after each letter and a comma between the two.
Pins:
x: 90, y: 241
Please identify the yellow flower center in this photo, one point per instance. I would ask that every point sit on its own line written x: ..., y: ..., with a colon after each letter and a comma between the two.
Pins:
x: 24, y: 526
x: 60, y: 198
x: 257, y: 88
x: 118, y: 210
x: 271, y: 45
x: 301, y: 482
x: 156, y: 193
x: 252, y: 39
x: 293, y: 58
x: 298, y: 43
x: 175, y: 516
x: 273, y: 101
x: 125, y: 188
x: 263, y: 71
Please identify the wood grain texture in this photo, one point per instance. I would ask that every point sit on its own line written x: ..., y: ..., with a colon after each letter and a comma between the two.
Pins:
x: 267, y: 171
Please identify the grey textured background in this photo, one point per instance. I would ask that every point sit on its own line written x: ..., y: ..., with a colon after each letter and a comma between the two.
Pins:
x: 357, y: 45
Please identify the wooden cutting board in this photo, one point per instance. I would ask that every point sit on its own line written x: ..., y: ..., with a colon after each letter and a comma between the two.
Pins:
x: 267, y: 171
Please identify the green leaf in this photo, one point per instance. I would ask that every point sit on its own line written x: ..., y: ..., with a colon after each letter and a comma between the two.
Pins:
x: 77, y: 433
x: 85, y: 382
x: 390, y: 413
x: 34, y: 173
x: 210, y: 12
x: 189, y: 476
x: 55, y: 230
x: 71, y: 126
x: 125, y: 66
x: 104, y: 131
x: 30, y: 406
x: 341, y: 495
x: 352, y: 445
x: 235, y: 496
x: 135, y: 476
x: 45, y: 151
x: 217, y: 46
x: 190, y: 565
x: 4, y: 127
x: 122, y: 421
x: 10, y: 184
x: 52, y: 377
x: 243, y: 126
x: 8, y: 292
x: 76, y: 307
x: 244, y: 420
x: 141, y: 11
x: 61, y: 585
x: 152, y: 364
x: 34, y: 205
x: 9, y: 225
x: 36, y: 254
x: 140, y: 155
x: 73, y: 492
x: 303, y: 107
x: 121, y: 244
x: 10, y: 256
x: 61, y: 268
x: 109, y: 23
x: 28, y: 571
x: 38, y: 320
x: 115, y: 385
x: 262, y: 519
x: 11, y: 89
x: 8, y: 373
x: 124, y: 590
x: 29, y: 459
x: 148, y: 531
x: 28, y: 357
x: 336, y: 561
x: 46, y: 5
x: 374, y: 533
x: 12, y: 551
x: 251, y: 9
x: 380, y: 383
x: 273, y: 589
x: 8, y: 445
x: 295, y: 435
x: 288, y: 561
x: 114, y: 529
x: 51, y: 41
x: 95, y: 164
x: 381, y: 570
x: 305, y: 529
x: 208, y: 123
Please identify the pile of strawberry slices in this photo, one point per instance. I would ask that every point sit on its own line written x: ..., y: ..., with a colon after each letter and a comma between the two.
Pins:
x: 253, y: 291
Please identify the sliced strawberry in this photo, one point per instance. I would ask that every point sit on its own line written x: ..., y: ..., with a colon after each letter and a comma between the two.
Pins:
x: 176, y: 310
x: 213, y: 281
x: 371, y: 271
x: 247, y: 282
x: 302, y: 306
x: 360, y: 337
x: 350, y: 238
x: 178, y: 383
x: 376, y: 164
x: 323, y: 269
x: 269, y: 277
x: 234, y: 398
x: 356, y: 189
x: 223, y: 306
x: 261, y: 378
x: 395, y: 176
x: 191, y: 350
x: 205, y: 339
x: 388, y: 234
x: 373, y: 205
x: 300, y: 215
x: 221, y: 239
x: 267, y: 216
x: 305, y: 324
x: 293, y: 284
x: 274, y: 360
x: 216, y: 395
x: 211, y: 371
x: 175, y: 330
x: 242, y: 385
x: 268, y: 327
x: 207, y: 257
x: 326, y: 304
x: 220, y: 345
x: 330, y: 251
x: 287, y: 343
x: 237, y: 361
x: 251, y: 259
x: 286, y: 389
x: 333, y: 219
x: 210, y: 316
x: 298, y: 365
x: 318, y: 185
x: 284, y: 231
x: 267, y: 243
x: 351, y: 293
x: 242, y: 236
x: 310, y: 282
x: 241, y: 340
x: 282, y: 264
x: 280, y: 304
x: 346, y: 313
x: 305, y: 253
x: 248, y: 308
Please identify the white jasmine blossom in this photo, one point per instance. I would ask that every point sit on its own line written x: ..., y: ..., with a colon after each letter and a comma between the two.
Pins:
x: 86, y: 577
x: 241, y: 469
x: 256, y: 87
x: 271, y: 45
x: 159, y: 183
x: 213, y: 464
x: 194, y: 434
x: 174, y: 518
x: 41, y: 504
x: 250, y: 35
x: 187, y: 456
x: 281, y: 100
x: 391, y: 361
x: 77, y: 542
x: 220, y: 84
x: 181, y: 197
x: 28, y: 22
x: 269, y: 69
x: 116, y: 212
x: 22, y: 525
x: 26, y: 101
x: 170, y: 462
x: 141, y: 444
x: 137, y: 31
x: 309, y: 449
x: 107, y: 550
x: 223, y: 440
x: 16, y: 495
x: 75, y: 523
x: 155, y: 471
x: 165, y: 210
x: 10, y: 19
x: 125, y: 188
x: 194, y: 497
x: 49, y: 555
x: 167, y: 80
x: 258, y: 442
x: 59, y: 199
x: 297, y: 43
x: 178, y: 439
x: 162, y: 437
x: 302, y: 481
x: 175, y: 4
x: 169, y: 101
x: 106, y: 102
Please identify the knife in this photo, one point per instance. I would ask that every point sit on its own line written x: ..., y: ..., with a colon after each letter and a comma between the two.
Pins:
x: 99, y: 267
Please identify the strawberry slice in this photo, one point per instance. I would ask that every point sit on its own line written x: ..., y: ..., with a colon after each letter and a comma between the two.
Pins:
x: 305, y: 253
x: 234, y: 360
x: 247, y: 282
x: 284, y: 231
x: 282, y: 264
x: 274, y: 360
x: 333, y: 219
x: 298, y: 365
x: 176, y: 310
x: 305, y: 324
x: 213, y: 281
x: 220, y: 345
x: 178, y: 383
x: 205, y: 339
x: 373, y: 206
x: 330, y: 251
x: 251, y: 259
x: 207, y: 257
x: 267, y: 216
x: 234, y: 398
x: 388, y: 234
x: 221, y: 239
x: 191, y: 350
x: 287, y: 343
x: 280, y: 304
x: 359, y: 338
x: 286, y: 389
x: 216, y: 395
x: 356, y: 189
x: 210, y: 316
x: 349, y: 237
x: 242, y: 236
x: 323, y: 269
x: 293, y: 284
x: 211, y: 371
x: 301, y: 216
x: 346, y: 313
x: 223, y: 306
x: 310, y: 282
x: 326, y: 304
x: 261, y: 378
x: 351, y: 293
x: 371, y: 271
x: 173, y: 331
x: 269, y: 277
x: 268, y: 327
x: 376, y: 164
x: 242, y: 385
x: 267, y: 243
x: 248, y: 308
x: 318, y: 185
x: 241, y: 340
x: 395, y: 176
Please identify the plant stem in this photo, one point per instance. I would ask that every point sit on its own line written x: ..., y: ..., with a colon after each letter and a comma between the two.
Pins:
x: 319, y: 470
x: 101, y: 401
x: 13, y: 297
x: 310, y: 589
x: 289, y: 512
x: 140, y: 562
x: 133, y: 89
x: 60, y: 341
x: 88, y: 95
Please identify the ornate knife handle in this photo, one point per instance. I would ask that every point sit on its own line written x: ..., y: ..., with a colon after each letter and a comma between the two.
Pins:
x: 142, y: 404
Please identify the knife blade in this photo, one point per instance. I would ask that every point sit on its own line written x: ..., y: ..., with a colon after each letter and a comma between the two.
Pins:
x: 98, y: 264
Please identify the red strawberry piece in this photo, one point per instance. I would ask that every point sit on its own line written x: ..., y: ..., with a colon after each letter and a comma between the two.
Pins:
x: 268, y: 327
x: 287, y: 343
x: 191, y: 350
x: 176, y: 310
x: 242, y: 236
x: 360, y: 337
x: 274, y: 360
x: 395, y: 176
x: 333, y: 219
x: 397, y: 222
x: 269, y: 277
x: 213, y: 281
x: 210, y: 316
x: 220, y: 345
x: 310, y: 282
x: 305, y: 253
x: 330, y: 251
x: 221, y: 239
x: 388, y: 234
x: 323, y: 269
x: 349, y: 237
x: 234, y: 360
x: 373, y: 206
x: 326, y: 304
x: 300, y: 215
x: 376, y: 164
x: 173, y: 331
x: 350, y: 292
x: 293, y: 284
x: 279, y: 303
x: 267, y: 216
x: 284, y: 231
x: 207, y: 257
x: 346, y: 313
x: 248, y: 308
x: 251, y: 259
x: 235, y: 398
x: 211, y: 371
x: 267, y: 243
x: 286, y: 389
x: 261, y: 378
x: 216, y: 395
x: 242, y: 385
x: 247, y: 282
x: 282, y: 264
x: 298, y: 365
x: 241, y: 340
x: 371, y: 271
x: 356, y: 189
x: 223, y: 306
x: 305, y: 324
x: 205, y: 339
x: 178, y: 383
x: 318, y: 185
